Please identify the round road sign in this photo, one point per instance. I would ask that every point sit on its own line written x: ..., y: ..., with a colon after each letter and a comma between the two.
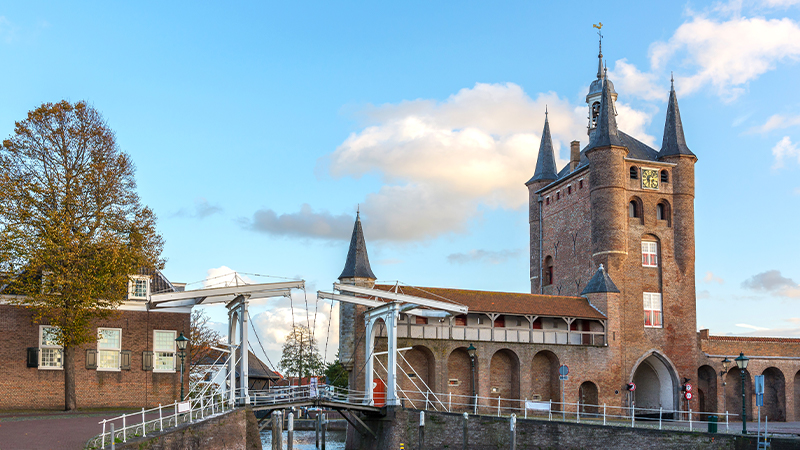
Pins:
x: 688, y: 387
x: 563, y: 370
x: 688, y: 396
x: 632, y: 387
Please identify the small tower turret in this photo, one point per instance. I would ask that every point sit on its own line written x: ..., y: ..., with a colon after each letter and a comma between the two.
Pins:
x: 596, y: 91
x: 544, y: 174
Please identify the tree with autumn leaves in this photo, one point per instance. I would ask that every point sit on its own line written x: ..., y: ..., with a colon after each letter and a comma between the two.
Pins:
x: 72, y: 227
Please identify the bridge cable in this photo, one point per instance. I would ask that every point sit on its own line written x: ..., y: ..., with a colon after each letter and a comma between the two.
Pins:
x: 252, y: 325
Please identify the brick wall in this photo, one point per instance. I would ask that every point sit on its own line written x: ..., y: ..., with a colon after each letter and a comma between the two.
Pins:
x: 25, y: 387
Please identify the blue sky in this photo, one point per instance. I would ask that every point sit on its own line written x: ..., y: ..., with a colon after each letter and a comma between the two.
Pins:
x: 258, y: 128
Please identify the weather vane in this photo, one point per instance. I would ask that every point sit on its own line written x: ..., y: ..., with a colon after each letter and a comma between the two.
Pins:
x: 599, y: 26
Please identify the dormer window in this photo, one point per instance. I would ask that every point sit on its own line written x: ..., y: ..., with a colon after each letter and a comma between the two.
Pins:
x: 138, y: 287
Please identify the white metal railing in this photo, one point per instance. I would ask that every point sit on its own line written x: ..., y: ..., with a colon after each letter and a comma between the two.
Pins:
x: 140, y: 423
x: 627, y: 416
x: 500, y: 334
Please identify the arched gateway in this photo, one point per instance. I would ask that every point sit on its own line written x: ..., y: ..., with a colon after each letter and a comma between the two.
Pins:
x: 656, y: 384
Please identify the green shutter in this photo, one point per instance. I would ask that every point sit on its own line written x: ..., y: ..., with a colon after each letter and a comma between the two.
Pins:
x: 147, y: 360
x: 33, y: 356
x: 125, y: 360
x: 91, y: 359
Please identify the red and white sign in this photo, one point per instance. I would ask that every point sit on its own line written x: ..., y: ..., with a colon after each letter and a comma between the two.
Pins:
x: 688, y: 387
x: 632, y: 387
x: 688, y: 395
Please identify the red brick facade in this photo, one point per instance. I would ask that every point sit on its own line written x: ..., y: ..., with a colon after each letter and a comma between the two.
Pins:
x: 25, y: 387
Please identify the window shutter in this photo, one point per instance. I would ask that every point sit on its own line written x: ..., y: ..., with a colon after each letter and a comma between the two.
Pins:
x: 33, y: 356
x: 147, y: 360
x: 125, y: 360
x: 91, y: 359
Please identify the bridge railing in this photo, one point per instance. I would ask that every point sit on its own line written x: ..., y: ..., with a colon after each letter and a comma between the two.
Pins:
x: 138, y: 424
x: 278, y: 395
x: 627, y: 416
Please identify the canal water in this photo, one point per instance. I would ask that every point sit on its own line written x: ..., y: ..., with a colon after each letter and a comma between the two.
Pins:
x: 304, y: 440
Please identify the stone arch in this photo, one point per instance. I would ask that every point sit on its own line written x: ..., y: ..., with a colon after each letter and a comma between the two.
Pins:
x: 706, y: 389
x: 797, y: 395
x: 416, y: 374
x: 733, y: 397
x: 588, y: 398
x: 233, y: 338
x: 459, y: 383
x: 544, y: 377
x: 774, y: 395
x: 504, y: 379
x: 656, y: 382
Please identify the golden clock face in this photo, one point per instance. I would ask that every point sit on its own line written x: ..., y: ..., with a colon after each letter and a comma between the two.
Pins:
x: 650, y: 179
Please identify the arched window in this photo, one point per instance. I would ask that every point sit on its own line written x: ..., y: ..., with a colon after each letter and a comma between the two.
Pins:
x: 632, y: 209
x: 547, y: 275
x: 635, y: 209
x: 664, y: 176
x: 634, y: 173
x: 664, y: 212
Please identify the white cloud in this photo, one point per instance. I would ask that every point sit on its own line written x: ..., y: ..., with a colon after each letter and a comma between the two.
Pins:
x: 480, y: 255
x: 752, y: 327
x: 785, y: 149
x: 711, y: 278
x: 202, y: 209
x: 304, y: 223
x: 632, y: 82
x: 224, y: 276
x: 772, y: 281
x: 780, y: 3
x: 634, y: 122
x: 728, y: 54
x: 778, y: 121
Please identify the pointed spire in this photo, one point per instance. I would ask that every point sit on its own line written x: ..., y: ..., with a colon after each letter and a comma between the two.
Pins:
x: 600, y: 283
x: 600, y: 60
x: 674, y: 142
x: 357, y: 264
x: 606, y: 133
x: 546, y: 161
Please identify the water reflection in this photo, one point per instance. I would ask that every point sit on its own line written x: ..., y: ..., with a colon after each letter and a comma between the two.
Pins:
x: 304, y: 440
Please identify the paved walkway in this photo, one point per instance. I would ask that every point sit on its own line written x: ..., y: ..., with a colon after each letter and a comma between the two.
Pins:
x: 34, y: 430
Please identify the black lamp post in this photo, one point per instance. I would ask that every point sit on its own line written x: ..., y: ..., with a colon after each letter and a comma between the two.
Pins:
x: 741, y: 362
x: 471, y: 351
x: 725, y: 363
x: 181, y: 342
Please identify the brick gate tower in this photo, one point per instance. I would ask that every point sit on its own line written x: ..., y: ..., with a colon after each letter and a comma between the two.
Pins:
x: 630, y: 208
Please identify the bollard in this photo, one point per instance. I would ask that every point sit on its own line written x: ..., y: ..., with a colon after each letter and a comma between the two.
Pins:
x: 317, y: 429
x: 690, y: 419
x: 466, y: 436
x: 604, y: 413
x: 277, y: 430
x: 526, y: 407
x: 660, y: 413
x: 449, y: 401
x: 422, y: 429
x: 160, y: 419
x: 498, y: 406
x: 144, y: 425
x: 633, y: 414
x: 290, y: 432
x: 324, y: 429
x: 124, y: 430
x: 113, y: 441
x: 513, y: 432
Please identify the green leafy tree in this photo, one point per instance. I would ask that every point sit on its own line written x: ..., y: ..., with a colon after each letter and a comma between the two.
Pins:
x: 72, y: 228
x: 336, y: 374
x: 300, y: 355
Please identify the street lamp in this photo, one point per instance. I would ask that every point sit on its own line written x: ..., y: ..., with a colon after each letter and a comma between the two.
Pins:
x: 471, y: 350
x: 181, y: 342
x: 741, y: 362
x: 725, y: 363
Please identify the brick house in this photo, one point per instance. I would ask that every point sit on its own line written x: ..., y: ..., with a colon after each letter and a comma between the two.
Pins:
x: 612, y: 273
x: 134, y: 363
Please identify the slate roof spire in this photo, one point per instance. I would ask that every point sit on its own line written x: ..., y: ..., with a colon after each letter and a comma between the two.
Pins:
x: 606, y: 133
x: 600, y: 61
x: 546, y: 161
x: 357, y: 264
x: 674, y: 142
x: 600, y: 283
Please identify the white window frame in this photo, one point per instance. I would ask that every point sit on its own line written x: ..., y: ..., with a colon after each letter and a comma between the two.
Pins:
x: 649, y: 254
x: 100, y: 350
x: 132, y: 287
x: 49, y: 347
x: 652, y: 304
x: 157, y: 350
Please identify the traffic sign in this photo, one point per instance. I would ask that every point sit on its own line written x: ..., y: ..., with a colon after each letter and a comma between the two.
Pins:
x: 688, y: 387
x: 631, y: 387
x: 688, y: 395
x: 563, y: 370
x: 759, y: 399
x: 563, y: 377
x: 759, y: 384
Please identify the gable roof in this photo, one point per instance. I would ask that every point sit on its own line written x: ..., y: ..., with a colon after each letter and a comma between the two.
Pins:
x: 506, y: 302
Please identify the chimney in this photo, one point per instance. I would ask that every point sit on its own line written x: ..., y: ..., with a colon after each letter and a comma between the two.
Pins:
x: 574, y: 155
